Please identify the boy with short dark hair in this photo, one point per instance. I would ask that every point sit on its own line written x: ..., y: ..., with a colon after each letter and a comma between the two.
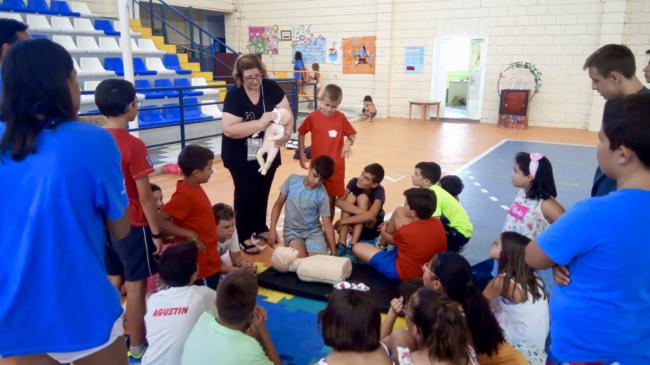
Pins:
x: 188, y: 214
x: 173, y: 312
x: 646, y: 69
x: 131, y: 258
x: 416, y: 235
x: 457, y: 224
x: 307, y: 201
x: 453, y: 185
x: 331, y: 135
x: 234, y: 336
x: 612, y: 70
x: 604, y: 288
x: 229, y: 251
x: 361, y: 208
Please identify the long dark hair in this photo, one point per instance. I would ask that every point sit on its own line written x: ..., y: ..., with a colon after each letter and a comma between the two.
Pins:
x: 443, y: 326
x: 514, y: 268
x: 455, y: 275
x: 35, y: 93
x: 543, y: 185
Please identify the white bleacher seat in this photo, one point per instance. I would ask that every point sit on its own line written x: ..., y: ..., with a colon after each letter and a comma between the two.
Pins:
x: 68, y: 43
x: 148, y: 46
x: 39, y: 23
x: 14, y: 16
x: 81, y: 8
x: 93, y: 67
x: 155, y: 64
x: 135, y: 47
x: 62, y: 24
x: 88, y: 99
x: 116, y: 26
x: 88, y: 44
x: 109, y: 45
x: 80, y: 72
x: 91, y: 85
x: 211, y: 110
x: 199, y: 81
x: 83, y: 25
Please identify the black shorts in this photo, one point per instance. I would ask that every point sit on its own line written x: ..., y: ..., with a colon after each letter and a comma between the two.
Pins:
x: 455, y: 240
x: 370, y: 234
x: 132, y: 256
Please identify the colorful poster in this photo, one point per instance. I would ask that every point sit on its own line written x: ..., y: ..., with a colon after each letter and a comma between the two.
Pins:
x: 359, y: 54
x: 263, y: 40
x: 334, y: 52
x: 312, y: 46
x: 414, y: 59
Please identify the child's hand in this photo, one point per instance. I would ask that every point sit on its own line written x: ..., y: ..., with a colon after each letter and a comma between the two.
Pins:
x: 561, y: 275
x: 303, y: 162
x: 347, y: 149
x: 273, y: 238
x: 397, y: 305
x: 158, y: 242
x: 249, y: 267
x: 258, y: 317
x: 267, y: 118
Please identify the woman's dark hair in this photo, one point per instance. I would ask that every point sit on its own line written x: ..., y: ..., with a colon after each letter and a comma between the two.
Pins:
x: 514, y: 268
x: 177, y: 264
x: 367, y: 98
x: 247, y: 62
x: 442, y: 325
x: 35, y: 93
x: 455, y: 275
x: 543, y: 185
x: 351, y: 321
x: 297, y: 56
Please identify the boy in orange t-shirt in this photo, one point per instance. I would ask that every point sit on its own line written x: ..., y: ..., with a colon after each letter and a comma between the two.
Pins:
x: 417, y: 237
x: 332, y: 135
x: 188, y: 214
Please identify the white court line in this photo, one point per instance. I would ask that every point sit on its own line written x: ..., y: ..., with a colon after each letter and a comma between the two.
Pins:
x: 505, y: 207
x: 475, y: 159
x: 394, y: 179
x: 484, y: 191
x: 547, y: 142
x: 494, y: 199
x: 477, y: 183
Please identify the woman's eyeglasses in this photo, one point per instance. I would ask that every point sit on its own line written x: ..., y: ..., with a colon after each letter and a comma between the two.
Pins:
x: 253, y: 77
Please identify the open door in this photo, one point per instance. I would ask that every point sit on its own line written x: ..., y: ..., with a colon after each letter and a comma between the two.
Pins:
x: 476, y: 63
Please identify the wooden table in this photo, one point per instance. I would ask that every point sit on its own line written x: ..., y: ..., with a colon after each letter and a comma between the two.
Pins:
x: 425, y: 104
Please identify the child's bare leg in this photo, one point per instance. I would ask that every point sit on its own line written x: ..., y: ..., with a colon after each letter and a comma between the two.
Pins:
x: 345, y: 229
x: 135, y: 310
x: 114, y: 354
x: 332, y: 207
x: 363, y: 202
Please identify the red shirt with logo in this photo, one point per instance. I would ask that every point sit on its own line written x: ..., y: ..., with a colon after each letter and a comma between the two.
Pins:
x: 417, y: 242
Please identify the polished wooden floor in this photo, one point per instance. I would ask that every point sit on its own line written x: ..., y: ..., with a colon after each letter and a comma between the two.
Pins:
x: 398, y: 144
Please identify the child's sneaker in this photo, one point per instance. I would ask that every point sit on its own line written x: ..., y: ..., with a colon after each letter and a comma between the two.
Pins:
x: 136, y: 358
x: 349, y: 254
x: 341, y: 250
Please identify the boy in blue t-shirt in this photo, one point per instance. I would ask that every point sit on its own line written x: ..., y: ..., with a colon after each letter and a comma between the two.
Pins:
x: 602, y: 243
x: 307, y: 202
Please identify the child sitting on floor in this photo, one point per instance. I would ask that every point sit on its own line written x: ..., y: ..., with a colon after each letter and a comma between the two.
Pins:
x: 172, y: 313
x: 416, y: 234
x: 307, y: 203
x: 369, y: 109
x: 453, y: 185
x: 231, y: 256
x: 235, y: 335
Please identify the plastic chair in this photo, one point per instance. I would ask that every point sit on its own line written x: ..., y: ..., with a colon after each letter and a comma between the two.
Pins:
x: 62, y: 24
x: 116, y: 25
x: 148, y: 116
x: 39, y: 23
x: 62, y: 8
x: 15, y: 5
x: 38, y: 36
x: 192, y: 110
x: 83, y: 25
x: 14, y: 16
x: 68, y: 43
x: 39, y: 6
x: 91, y: 85
x: 109, y: 45
x: 172, y: 114
x: 171, y: 62
x: 156, y: 64
x: 145, y: 84
x: 199, y: 81
x: 106, y: 26
x: 88, y: 44
x: 182, y: 83
x: 139, y: 68
x: 147, y: 45
x: 212, y: 110
x: 93, y: 66
x: 81, y: 8
x: 165, y: 83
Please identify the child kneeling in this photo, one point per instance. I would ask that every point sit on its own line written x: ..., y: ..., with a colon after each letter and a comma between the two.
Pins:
x: 307, y: 202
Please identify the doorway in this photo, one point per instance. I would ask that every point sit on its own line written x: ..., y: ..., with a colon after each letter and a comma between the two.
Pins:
x: 459, y: 75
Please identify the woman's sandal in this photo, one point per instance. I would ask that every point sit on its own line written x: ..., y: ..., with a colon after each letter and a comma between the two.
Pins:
x: 249, y: 249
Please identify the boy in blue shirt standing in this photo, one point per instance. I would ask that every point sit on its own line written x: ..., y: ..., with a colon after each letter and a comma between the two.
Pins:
x: 307, y: 201
x: 598, y: 309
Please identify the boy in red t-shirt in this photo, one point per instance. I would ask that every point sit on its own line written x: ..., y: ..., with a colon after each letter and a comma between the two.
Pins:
x: 131, y: 258
x: 416, y: 235
x: 188, y: 214
x: 331, y: 135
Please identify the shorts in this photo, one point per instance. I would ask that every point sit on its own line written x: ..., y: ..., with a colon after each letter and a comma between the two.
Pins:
x: 211, y: 281
x: 455, y: 240
x: 314, y: 242
x: 384, y: 262
x: 371, y: 234
x: 67, y: 357
x: 132, y: 255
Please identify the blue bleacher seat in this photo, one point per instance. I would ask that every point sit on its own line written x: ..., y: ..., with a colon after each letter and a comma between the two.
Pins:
x: 61, y: 7
x: 183, y: 82
x: 165, y: 83
x: 149, y: 117
x: 15, y: 5
x: 37, y: 36
x: 173, y: 113
x: 40, y: 7
x: 115, y: 64
x: 145, y: 84
x: 193, y: 110
x: 105, y: 26
x: 170, y: 61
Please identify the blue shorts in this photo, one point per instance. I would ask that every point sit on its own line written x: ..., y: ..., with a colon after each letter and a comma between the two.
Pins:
x: 384, y: 262
x: 314, y: 242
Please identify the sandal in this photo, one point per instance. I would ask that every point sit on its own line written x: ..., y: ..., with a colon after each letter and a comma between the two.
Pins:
x: 249, y: 249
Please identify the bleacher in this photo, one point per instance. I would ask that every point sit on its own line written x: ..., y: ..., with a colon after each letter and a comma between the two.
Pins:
x: 93, y: 43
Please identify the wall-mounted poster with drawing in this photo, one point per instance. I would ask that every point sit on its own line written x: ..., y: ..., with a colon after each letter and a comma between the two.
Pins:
x: 263, y: 40
x: 312, y: 46
x: 359, y: 54
x: 413, y: 59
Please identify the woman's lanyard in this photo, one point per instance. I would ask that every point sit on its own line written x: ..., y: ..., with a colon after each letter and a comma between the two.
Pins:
x: 263, y: 102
